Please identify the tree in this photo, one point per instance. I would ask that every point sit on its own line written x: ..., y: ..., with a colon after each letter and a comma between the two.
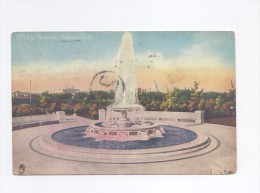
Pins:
x: 229, y: 107
x: 219, y: 102
x: 80, y: 96
x: 195, y: 97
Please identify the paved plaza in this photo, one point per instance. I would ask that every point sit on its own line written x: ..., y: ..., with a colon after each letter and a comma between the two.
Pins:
x: 221, y: 160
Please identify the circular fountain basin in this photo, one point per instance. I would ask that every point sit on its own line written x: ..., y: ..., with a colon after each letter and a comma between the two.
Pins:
x: 171, y: 136
x: 176, y: 143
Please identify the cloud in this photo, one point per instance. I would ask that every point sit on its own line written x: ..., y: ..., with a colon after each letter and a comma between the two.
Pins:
x: 197, y: 62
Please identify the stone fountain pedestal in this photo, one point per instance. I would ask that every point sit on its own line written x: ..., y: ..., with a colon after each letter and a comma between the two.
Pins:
x: 124, y: 131
x: 124, y: 124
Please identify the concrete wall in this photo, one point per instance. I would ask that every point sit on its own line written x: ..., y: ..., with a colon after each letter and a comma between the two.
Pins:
x: 101, y: 114
x: 37, y: 120
x: 197, y: 116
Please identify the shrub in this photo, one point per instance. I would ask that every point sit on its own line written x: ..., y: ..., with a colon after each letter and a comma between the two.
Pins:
x: 68, y: 111
x: 82, y: 111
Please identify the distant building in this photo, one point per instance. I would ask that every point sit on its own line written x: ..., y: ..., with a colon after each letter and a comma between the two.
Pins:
x: 154, y: 87
x: 140, y: 90
x: 19, y: 94
x: 70, y: 90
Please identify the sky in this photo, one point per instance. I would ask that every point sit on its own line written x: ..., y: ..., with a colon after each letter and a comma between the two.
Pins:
x: 54, y: 60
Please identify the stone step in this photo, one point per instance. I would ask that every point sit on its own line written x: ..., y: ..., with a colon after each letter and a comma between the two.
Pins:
x: 68, y: 153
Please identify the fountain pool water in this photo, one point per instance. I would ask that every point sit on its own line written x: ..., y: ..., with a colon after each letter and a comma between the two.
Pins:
x: 172, y: 136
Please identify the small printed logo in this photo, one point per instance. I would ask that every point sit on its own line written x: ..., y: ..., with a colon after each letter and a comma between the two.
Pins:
x: 21, y: 169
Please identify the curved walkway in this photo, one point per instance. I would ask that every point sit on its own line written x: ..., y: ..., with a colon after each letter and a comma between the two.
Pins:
x: 221, y: 159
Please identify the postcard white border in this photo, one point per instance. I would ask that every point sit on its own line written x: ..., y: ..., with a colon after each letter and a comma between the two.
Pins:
x: 242, y: 17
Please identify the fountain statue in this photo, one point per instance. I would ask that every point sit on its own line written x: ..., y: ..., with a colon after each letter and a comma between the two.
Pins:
x: 124, y: 117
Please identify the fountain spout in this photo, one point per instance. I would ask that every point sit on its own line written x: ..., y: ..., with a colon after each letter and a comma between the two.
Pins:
x: 126, y: 100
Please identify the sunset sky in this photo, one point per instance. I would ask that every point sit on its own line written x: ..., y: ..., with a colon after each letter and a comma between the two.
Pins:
x: 52, y: 60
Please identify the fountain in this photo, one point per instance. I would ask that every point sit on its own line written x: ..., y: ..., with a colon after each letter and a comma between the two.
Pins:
x: 124, y: 136
x: 124, y: 118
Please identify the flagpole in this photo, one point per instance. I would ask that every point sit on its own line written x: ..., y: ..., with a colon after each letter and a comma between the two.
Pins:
x: 30, y: 91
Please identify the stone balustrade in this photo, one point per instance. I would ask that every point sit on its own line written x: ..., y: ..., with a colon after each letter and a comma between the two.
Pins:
x: 196, y: 117
x: 37, y: 120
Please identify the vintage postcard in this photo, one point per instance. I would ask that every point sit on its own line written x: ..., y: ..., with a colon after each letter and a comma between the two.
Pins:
x: 153, y: 102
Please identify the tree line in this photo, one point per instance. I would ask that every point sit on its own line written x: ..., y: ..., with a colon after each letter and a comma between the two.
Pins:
x: 87, y: 104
